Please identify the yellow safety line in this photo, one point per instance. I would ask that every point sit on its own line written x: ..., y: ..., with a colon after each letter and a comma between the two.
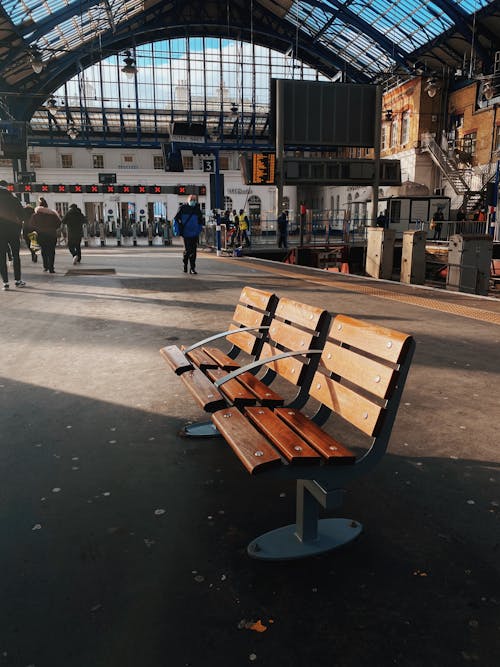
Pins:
x: 420, y: 301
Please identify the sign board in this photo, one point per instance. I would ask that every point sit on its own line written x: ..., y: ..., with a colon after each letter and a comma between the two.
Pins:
x: 107, y: 178
x: 263, y: 168
x: 209, y: 166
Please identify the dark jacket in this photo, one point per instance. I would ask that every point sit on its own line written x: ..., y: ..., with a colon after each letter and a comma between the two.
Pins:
x: 190, y: 220
x: 45, y: 222
x: 282, y: 223
x: 74, y: 220
x: 11, y: 214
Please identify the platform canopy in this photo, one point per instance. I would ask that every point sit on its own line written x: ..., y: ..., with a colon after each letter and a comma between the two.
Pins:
x: 357, y: 40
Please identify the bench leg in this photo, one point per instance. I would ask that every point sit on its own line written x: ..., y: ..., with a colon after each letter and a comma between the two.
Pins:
x: 200, y: 430
x: 309, y: 536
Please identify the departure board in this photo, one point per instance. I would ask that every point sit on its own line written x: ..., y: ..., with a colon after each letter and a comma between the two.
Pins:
x: 263, y: 165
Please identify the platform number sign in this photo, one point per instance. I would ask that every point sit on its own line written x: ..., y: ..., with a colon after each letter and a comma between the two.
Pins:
x: 209, y: 166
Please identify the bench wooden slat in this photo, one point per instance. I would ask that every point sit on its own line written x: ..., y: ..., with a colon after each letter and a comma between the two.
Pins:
x: 237, y: 394
x: 288, y: 442
x: 290, y: 369
x: 347, y: 403
x: 246, y: 341
x: 256, y: 298
x: 364, y: 372
x: 301, y: 314
x: 246, y: 317
x: 264, y: 394
x: 176, y: 359
x: 290, y: 337
x: 333, y: 451
x: 378, y: 341
x: 201, y: 359
x: 253, y: 450
x: 208, y: 397
x: 221, y: 359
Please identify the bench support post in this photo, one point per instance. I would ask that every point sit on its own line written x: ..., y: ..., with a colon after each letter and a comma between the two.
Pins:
x: 308, y: 536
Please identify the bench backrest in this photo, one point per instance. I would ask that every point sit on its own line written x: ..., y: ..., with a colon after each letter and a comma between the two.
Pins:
x: 361, y: 375
x: 295, y: 327
x: 255, y: 309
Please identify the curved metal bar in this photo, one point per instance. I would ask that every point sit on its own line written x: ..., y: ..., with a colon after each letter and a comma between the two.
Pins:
x: 222, y: 334
x: 262, y: 362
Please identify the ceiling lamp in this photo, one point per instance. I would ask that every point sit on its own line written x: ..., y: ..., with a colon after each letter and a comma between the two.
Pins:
x: 129, y: 69
x: 431, y: 87
x: 72, y: 132
x: 52, y: 105
x: 36, y: 61
x: 234, y: 108
x: 488, y: 89
x: 388, y: 115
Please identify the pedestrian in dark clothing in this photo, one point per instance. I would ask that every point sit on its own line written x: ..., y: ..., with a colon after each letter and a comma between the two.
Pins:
x: 283, y: 230
x: 45, y: 223
x: 12, y: 214
x: 189, y: 219
x: 438, y: 224
x: 74, y: 221
x: 235, y: 231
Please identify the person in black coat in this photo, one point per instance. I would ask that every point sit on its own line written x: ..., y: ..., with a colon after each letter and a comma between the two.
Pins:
x: 189, y: 220
x: 12, y: 214
x: 74, y: 221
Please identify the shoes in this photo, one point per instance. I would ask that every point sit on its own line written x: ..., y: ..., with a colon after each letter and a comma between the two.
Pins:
x: 45, y: 270
x: 52, y: 270
x: 20, y: 283
x: 6, y: 286
x: 193, y: 272
x: 34, y: 258
x: 75, y: 259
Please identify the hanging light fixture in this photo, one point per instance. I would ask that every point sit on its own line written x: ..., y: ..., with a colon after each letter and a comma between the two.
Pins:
x: 72, y: 132
x: 129, y: 68
x: 36, y: 61
x: 52, y: 105
x: 388, y: 115
x: 431, y: 87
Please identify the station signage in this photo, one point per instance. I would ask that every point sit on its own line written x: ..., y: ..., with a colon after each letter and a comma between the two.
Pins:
x: 107, y: 188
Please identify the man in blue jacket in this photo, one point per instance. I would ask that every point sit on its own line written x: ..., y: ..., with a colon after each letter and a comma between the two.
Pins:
x: 189, y: 219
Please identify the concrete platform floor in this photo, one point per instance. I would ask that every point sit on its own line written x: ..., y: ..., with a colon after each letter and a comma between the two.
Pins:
x: 123, y: 545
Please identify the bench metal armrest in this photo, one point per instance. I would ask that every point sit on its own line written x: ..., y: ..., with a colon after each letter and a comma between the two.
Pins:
x: 222, y: 334
x: 263, y: 362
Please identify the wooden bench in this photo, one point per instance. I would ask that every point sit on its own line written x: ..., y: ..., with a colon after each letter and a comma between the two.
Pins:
x: 277, y: 327
x: 358, y: 384
x: 245, y: 334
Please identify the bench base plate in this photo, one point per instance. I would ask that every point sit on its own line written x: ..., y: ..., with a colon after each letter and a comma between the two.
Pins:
x: 283, y: 543
x: 200, y: 430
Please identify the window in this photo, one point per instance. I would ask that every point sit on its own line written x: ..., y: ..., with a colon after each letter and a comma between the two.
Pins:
x: 224, y: 163
x: 394, y: 133
x: 469, y: 143
x: 62, y: 208
x: 67, y: 161
x: 35, y: 160
x: 158, y: 162
x: 127, y: 162
x: 405, y: 128
x: 228, y: 204
x: 4, y: 162
x: 497, y: 138
x: 187, y: 161
x: 383, y: 138
x: 98, y: 161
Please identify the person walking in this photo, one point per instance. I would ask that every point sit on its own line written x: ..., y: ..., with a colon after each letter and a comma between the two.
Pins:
x: 283, y: 230
x: 189, y: 219
x: 244, y: 225
x: 438, y: 224
x: 235, y: 231
x: 45, y: 223
x: 12, y: 214
x: 74, y: 221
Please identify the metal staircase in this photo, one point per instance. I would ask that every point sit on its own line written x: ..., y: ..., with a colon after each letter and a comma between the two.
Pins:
x: 455, y: 176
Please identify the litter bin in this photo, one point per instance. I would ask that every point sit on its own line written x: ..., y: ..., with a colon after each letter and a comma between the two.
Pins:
x: 469, y: 261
